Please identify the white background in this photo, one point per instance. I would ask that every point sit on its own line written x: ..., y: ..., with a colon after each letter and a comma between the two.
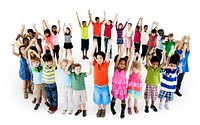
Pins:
x: 178, y: 17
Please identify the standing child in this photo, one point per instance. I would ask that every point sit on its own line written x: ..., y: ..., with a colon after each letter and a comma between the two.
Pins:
x: 128, y: 38
x: 78, y: 86
x: 68, y: 36
x: 37, y: 68
x: 169, y: 81
x: 134, y: 84
x: 119, y: 86
x: 137, y: 36
x: 84, y: 36
x: 144, y: 39
x: 119, y: 29
x: 48, y: 78
x: 184, y: 52
x: 101, y: 95
x: 97, y: 30
x: 108, y: 33
x: 66, y: 80
x: 152, y: 79
x: 24, y: 72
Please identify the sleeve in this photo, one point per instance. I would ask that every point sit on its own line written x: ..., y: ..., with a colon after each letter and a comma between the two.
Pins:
x: 94, y: 62
x: 71, y: 73
x: 83, y: 74
x: 101, y: 23
x: 93, y: 23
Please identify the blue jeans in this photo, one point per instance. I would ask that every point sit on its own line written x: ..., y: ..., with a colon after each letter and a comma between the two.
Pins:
x: 106, y: 45
x: 52, y: 94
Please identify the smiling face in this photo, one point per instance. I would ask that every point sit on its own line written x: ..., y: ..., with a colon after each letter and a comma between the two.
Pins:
x: 155, y: 64
x: 35, y: 63
x: 122, y: 65
x: 49, y: 63
x: 99, y: 59
x: 22, y: 50
x: 77, y: 70
x: 64, y: 65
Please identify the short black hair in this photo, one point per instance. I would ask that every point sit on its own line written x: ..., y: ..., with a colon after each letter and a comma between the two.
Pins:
x: 25, y: 39
x: 121, y: 59
x: 153, y: 31
x: 30, y: 30
x: 34, y: 48
x: 47, y: 31
x: 83, y: 21
x: 130, y: 24
x: 174, y: 59
x: 137, y: 27
x: 145, y: 26
x: 20, y: 48
x: 96, y: 18
x: 110, y: 21
x: 47, y: 57
x: 101, y: 53
x: 155, y: 59
x: 53, y: 26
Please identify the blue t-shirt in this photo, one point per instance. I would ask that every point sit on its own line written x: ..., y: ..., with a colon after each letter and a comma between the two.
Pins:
x: 37, y: 74
x: 161, y: 46
x: 184, y: 61
x: 66, y: 79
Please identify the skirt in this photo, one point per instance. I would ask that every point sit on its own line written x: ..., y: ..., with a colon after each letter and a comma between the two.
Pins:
x: 68, y: 45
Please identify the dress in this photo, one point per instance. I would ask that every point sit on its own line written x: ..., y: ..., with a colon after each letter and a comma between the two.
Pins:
x: 119, y: 87
x: 128, y: 40
x: 135, y: 85
x: 24, y: 72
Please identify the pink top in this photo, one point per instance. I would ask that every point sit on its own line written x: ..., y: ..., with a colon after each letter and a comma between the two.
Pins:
x: 49, y: 40
x: 55, y: 39
x: 119, y: 77
x: 135, y: 78
x: 152, y: 41
x: 137, y: 36
x: 108, y: 30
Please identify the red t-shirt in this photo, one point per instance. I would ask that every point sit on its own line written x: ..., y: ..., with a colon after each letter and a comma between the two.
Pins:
x: 97, y: 28
x: 137, y: 36
x: 101, y: 73
x: 49, y: 40
x: 108, y: 30
x: 152, y: 41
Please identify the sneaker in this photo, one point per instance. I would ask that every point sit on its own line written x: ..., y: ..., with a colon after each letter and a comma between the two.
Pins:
x: 78, y: 112
x: 36, y: 106
x: 84, y: 113
x: 136, y: 110
x: 83, y: 57
x: 34, y: 101
x: 64, y: 111
x: 167, y: 105
x: 86, y: 57
x: 25, y: 95
x: 129, y: 111
x: 154, y: 108
x: 103, y: 113
x: 52, y: 110
x: 178, y: 93
x: 70, y: 112
x: 146, y: 109
x: 99, y: 113
x: 47, y: 104
x: 160, y: 106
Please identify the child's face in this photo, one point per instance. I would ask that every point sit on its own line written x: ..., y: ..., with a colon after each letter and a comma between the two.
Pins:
x: 120, y: 26
x: 108, y: 23
x: 129, y: 26
x: 170, y: 38
x: 122, y: 65
x: 99, y: 59
x: 155, y: 64
x: 172, y: 65
x: 97, y: 21
x: 54, y: 29
x: 30, y: 34
x: 26, y: 42
x: 77, y: 70
x: 136, y: 29
x: 36, y: 63
x: 63, y: 65
x: 22, y: 49
x: 184, y: 48
x: 136, y: 70
x: 84, y: 23
x: 146, y: 28
x: 49, y: 63
x: 46, y: 34
x: 67, y: 30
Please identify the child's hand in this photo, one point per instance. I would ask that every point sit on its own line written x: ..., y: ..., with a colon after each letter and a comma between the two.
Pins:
x: 34, y: 25
x: 128, y: 19
x: 43, y: 20
x: 64, y: 24
x: 88, y: 11
x: 76, y: 13
x: 188, y: 38
x: 180, y: 65
x: 58, y: 21
x: 23, y: 26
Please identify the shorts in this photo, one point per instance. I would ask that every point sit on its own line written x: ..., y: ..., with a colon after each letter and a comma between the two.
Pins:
x: 80, y: 96
x: 84, y: 44
x: 68, y: 45
x: 101, y: 95
x: 38, y: 90
x: 120, y: 41
x: 164, y: 94
x: 150, y: 92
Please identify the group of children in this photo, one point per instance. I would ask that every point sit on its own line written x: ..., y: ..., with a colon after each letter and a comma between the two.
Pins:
x: 163, y: 56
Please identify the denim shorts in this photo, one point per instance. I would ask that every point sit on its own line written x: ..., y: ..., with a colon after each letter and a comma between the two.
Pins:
x: 101, y: 95
x: 120, y: 41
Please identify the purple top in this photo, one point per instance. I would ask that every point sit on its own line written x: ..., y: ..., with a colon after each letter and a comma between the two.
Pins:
x: 120, y: 31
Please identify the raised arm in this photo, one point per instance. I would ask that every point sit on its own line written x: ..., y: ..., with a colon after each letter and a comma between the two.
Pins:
x: 51, y: 51
x: 108, y: 50
x: 59, y: 28
x: 64, y: 28
x: 118, y: 58
x: 126, y: 23
x: 141, y: 19
x: 89, y: 17
x: 163, y: 59
x: 114, y: 19
x: 156, y: 27
x: 148, y: 57
x: 71, y: 29
x: 153, y: 25
x: 90, y: 69
x: 78, y: 19
x: 104, y: 13
x: 60, y: 56
x: 43, y: 25
x: 129, y: 59
x: 67, y: 67
x: 13, y: 50
x: 188, y: 44
x: 116, y: 23
x: 93, y: 49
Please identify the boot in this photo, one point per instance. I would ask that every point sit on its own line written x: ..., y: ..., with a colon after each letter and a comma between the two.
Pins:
x: 112, y: 105
x: 25, y: 93
x: 123, y: 106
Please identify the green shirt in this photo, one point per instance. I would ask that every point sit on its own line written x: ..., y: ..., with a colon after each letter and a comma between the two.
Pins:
x: 153, y: 76
x: 84, y: 32
x: 78, y: 82
x: 168, y: 45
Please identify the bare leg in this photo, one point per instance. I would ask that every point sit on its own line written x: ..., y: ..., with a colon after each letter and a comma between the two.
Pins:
x: 25, y: 89
x: 84, y: 106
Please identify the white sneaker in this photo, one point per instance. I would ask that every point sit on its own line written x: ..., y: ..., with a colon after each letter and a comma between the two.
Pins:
x: 64, y: 111
x: 167, y: 105
x: 70, y: 112
x: 160, y: 106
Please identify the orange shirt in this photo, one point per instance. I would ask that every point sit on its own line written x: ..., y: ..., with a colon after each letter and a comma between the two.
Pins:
x: 49, y: 40
x: 101, y: 73
x: 97, y: 28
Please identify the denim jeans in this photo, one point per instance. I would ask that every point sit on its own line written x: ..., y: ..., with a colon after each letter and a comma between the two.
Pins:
x: 52, y: 94
x: 106, y: 45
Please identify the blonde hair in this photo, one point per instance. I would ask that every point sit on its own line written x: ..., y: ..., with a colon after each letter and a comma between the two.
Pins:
x: 136, y: 64
x: 65, y: 60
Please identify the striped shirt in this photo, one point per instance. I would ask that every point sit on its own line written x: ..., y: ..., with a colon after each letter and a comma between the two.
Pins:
x: 169, y: 80
x: 48, y: 75
x: 120, y: 31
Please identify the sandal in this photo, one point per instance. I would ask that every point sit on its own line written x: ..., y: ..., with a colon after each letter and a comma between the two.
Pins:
x: 64, y: 111
x: 129, y: 111
x: 136, y: 110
